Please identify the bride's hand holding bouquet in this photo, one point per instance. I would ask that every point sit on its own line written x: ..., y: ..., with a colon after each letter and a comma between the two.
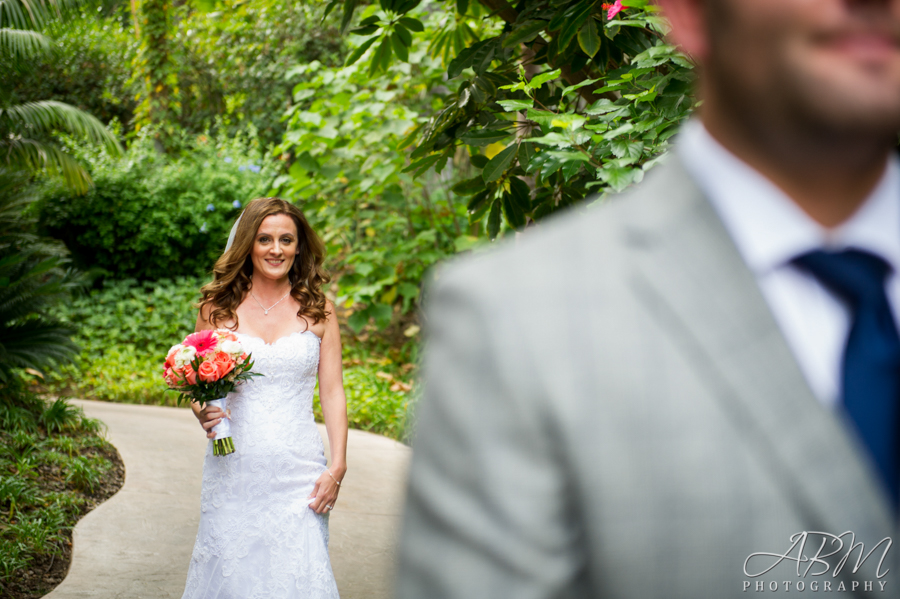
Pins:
x: 204, y: 368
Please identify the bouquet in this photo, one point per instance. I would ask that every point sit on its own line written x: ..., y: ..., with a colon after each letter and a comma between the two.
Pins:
x: 206, y: 367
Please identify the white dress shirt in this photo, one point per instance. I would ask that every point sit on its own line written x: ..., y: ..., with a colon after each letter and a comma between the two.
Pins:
x: 770, y: 230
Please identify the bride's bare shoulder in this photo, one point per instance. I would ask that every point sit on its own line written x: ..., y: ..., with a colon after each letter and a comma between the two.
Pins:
x: 204, y: 319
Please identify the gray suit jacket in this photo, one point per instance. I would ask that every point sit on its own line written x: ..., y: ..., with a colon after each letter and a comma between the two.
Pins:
x: 611, y: 411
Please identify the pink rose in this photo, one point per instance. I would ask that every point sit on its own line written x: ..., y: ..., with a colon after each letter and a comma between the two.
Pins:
x: 169, y: 376
x: 209, y: 372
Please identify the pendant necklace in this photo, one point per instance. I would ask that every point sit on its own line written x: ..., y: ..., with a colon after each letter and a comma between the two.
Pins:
x: 266, y: 310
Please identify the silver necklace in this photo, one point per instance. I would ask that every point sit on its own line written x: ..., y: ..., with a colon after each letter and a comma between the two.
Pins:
x: 266, y: 310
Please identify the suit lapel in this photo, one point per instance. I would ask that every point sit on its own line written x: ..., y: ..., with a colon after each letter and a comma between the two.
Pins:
x: 690, y: 274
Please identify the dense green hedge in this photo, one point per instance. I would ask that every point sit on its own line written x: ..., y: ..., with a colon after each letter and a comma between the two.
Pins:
x: 151, y: 216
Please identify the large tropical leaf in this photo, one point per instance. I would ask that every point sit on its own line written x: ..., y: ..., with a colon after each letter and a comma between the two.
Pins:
x: 16, y: 152
x: 31, y: 14
x: 34, y: 343
x: 49, y: 115
x: 21, y: 124
x: 22, y: 43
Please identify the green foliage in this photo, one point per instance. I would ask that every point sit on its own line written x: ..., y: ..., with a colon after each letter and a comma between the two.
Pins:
x: 45, y: 477
x: 85, y: 473
x: 558, y: 103
x: 59, y: 416
x: 87, y: 65
x: 383, y: 228
x: 150, y: 315
x: 26, y: 127
x: 156, y: 68
x: 126, y: 328
x: 233, y: 61
x: 154, y: 216
x: 378, y: 394
x: 31, y: 280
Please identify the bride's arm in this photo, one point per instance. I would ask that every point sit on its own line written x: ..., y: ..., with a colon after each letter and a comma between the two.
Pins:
x: 334, y: 410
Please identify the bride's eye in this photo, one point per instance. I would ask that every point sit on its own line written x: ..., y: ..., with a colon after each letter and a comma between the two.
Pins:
x: 287, y: 240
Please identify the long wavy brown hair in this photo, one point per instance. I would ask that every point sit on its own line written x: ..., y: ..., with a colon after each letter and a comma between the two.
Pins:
x: 232, y: 272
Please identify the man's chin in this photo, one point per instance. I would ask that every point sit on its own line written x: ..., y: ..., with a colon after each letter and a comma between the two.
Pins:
x: 856, y: 106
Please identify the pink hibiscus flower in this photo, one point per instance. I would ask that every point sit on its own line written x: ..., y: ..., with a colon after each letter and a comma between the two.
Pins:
x: 202, y: 341
x: 613, y: 9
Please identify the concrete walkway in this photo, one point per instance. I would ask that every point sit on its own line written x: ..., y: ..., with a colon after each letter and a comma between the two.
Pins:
x: 137, y: 545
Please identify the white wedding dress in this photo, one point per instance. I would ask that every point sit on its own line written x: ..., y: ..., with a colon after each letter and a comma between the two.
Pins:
x: 258, y: 537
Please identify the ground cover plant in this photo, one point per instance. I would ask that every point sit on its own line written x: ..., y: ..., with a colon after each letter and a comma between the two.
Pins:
x: 55, y: 466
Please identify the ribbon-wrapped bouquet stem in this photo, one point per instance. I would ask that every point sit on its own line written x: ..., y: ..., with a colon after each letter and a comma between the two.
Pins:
x: 206, y: 367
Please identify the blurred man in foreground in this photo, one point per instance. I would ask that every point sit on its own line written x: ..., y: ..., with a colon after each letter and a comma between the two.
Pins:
x: 693, y: 391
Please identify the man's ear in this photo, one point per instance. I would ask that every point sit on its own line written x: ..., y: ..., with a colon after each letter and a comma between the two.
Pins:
x: 689, y: 27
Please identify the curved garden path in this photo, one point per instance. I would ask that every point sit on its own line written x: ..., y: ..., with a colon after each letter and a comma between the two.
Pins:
x: 137, y: 544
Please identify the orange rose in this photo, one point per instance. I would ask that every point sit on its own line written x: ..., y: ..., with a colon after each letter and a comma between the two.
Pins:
x: 209, y: 372
x: 225, y: 334
x: 190, y: 375
x: 224, y: 363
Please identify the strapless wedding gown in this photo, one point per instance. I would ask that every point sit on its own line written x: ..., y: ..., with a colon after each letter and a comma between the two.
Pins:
x: 258, y: 537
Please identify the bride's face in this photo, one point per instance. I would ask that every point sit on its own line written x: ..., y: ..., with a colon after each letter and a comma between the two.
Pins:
x: 274, y: 247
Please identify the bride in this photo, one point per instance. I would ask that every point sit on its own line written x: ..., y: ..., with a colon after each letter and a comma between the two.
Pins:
x: 264, y: 508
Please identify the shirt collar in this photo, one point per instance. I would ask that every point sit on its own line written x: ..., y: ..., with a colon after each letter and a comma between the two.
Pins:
x: 768, y: 228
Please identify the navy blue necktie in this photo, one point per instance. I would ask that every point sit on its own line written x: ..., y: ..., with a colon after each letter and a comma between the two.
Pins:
x: 871, y: 365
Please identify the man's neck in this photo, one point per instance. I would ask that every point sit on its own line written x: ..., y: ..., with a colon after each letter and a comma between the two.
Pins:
x: 828, y: 178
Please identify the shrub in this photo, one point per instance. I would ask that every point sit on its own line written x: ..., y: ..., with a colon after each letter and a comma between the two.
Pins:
x: 60, y: 415
x: 151, y: 216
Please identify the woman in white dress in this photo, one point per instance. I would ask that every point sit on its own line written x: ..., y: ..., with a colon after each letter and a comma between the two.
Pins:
x: 264, y: 508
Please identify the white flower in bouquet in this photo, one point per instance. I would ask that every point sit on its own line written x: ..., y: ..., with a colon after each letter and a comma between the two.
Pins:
x: 232, y: 348
x: 184, y: 355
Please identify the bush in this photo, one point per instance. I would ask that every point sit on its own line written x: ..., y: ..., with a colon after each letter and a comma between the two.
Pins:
x: 151, y: 216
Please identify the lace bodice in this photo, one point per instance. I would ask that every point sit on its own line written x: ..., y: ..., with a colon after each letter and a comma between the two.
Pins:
x: 258, y: 537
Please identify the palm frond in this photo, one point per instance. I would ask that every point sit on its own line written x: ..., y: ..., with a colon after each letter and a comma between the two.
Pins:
x: 17, y: 223
x: 31, y: 14
x: 23, y: 43
x: 37, y: 343
x: 33, y: 155
x: 50, y: 115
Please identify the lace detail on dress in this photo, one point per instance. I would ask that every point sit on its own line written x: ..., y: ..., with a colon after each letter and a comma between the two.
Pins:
x: 258, y: 538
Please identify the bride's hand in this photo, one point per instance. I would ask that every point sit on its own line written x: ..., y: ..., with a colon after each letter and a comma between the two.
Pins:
x: 324, y: 494
x: 210, y: 416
